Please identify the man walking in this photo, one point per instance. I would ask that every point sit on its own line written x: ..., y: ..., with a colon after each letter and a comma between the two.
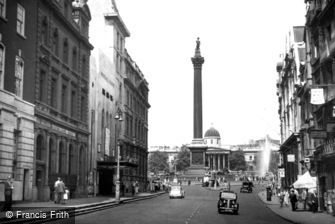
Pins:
x: 8, y: 194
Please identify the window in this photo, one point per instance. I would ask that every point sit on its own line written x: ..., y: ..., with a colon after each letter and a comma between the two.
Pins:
x: 64, y: 97
x: 74, y: 59
x: 103, y: 92
x: 73, y: 103
x: 3, y: 8
x: 53, y: 93
x: 72, y: 160
x: 65, y: 51
x: 55, y: 41
x: 19, y: 67
x: 20, y: 21
x: 44, y: 31
x: 2, y: 65
x: 52, y: 156
x: 42, y: 86
x: 84, y: 66
x: 62, y: 158
x: 83, y: 108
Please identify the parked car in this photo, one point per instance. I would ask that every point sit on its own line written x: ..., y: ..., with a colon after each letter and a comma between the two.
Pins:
x: 177, y: 191
x: 246, y: 187
x: 228, y: 202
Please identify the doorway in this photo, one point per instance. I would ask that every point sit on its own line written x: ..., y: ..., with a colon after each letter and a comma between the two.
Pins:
x: 25, y: 190
x: 39, y: 184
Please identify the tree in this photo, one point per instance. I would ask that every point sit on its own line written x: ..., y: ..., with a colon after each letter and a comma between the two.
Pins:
x: 158, y: 161
x: 237, y: 161
x: 183, y: 159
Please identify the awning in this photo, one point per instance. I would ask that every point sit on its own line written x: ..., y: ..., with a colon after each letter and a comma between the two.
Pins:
x: 305, y: 181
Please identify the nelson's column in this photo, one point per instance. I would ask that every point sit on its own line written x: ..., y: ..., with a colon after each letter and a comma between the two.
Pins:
x: 197, y: 147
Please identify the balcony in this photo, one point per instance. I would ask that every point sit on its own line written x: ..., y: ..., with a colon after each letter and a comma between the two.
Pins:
x: 327, y: 149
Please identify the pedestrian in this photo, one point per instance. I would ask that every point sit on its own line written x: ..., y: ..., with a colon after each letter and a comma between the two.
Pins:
x: 133, y: 189
x: 136, y: 187
x: 314, y: 201
x: 8, y: 194
x: 304, y: 197
x: 286, y: 198
x: 293, y: 200
x: 61, y: 191
x: 66, y: 195
x: 56, y: 189
x: 281, y: 196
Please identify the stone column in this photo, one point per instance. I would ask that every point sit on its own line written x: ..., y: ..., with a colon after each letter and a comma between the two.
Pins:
x: 197, y: 61
x: 219, y: 162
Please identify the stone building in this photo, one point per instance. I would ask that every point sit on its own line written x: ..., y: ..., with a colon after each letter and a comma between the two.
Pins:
x: 320, y: 33
x: 216, y: 157
x: 17, y: 75
x: 61, y: 96
x: 118, y: 89
x: 290, y: 70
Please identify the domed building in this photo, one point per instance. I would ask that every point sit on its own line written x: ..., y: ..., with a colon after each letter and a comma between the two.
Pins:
x: 216, y: 157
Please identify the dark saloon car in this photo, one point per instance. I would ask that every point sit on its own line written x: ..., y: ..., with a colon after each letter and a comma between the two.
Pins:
x: 246, y: 187
x: 228, y: 202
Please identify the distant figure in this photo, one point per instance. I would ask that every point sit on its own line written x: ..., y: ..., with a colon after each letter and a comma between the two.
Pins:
x: 61, y: 191
x: 198, y: 43
x: 293, y: 200
x: 8, y: 194
x: 56, y: 185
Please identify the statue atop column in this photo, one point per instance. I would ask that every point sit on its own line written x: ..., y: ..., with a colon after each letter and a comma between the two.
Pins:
x: 197, y: 48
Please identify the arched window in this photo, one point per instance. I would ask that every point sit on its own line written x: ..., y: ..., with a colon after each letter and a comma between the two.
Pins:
x: 72, y: 160
x: 62, y: 158
x: 52, y: 157
x: 39, y: 147
x: 83, y: 66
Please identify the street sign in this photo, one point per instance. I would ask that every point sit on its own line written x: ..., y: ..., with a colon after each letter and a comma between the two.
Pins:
x: 281, y: 172
x: 317, y: 96
x: 290, y: 158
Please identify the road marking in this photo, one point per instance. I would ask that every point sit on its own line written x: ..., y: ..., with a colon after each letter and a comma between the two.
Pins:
x: 193, y: 213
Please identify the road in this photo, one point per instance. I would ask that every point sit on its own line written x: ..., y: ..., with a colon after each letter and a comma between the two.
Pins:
x: 198, y: 207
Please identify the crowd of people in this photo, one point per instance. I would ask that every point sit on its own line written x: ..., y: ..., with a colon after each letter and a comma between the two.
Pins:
x: 307, y: 199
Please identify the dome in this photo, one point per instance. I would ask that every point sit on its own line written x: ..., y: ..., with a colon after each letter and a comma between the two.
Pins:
x: 212, y: 132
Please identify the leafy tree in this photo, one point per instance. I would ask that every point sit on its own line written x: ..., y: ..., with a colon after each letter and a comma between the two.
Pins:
x: 183, y: 159
x: 158, y: 161
x: 237, y: 161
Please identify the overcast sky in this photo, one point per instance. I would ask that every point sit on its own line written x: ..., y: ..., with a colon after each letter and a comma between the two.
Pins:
x: 240, y: 41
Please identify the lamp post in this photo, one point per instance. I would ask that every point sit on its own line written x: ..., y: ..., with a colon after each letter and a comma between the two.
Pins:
x: 118, y: 118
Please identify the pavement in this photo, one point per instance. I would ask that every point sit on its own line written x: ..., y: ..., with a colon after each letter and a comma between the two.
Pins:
x: 298, y: 217
x: 77, y: 206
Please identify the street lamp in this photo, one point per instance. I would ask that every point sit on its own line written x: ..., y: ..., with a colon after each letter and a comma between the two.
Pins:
x: 118, y: 118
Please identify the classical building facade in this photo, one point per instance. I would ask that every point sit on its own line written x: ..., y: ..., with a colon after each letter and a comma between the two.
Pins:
x: 216, y: 157
x: 17, y: 75
x: 118, y: 89
x: 61, y: 96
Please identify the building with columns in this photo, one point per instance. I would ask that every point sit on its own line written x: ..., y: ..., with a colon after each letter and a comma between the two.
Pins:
x: 216, y: 157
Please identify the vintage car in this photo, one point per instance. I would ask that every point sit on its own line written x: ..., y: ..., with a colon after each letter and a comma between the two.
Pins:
x: 228, y: 202
x: 246, y: 187
x: 176, y: 191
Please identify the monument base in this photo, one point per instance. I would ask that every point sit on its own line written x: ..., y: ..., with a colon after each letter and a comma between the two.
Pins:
x: 196, y: 171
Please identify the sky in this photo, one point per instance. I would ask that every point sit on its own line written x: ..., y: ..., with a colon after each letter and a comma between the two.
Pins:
x: 241, y: 42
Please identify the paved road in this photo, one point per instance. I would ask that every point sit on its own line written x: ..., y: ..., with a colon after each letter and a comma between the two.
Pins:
x: 198, y: 207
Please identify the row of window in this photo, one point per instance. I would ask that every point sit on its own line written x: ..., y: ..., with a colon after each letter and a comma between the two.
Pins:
x: 66, y: 165
x: 135, y: 105
x: 71, y: 101
x: 107, y: 95
x: 55, y: 40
